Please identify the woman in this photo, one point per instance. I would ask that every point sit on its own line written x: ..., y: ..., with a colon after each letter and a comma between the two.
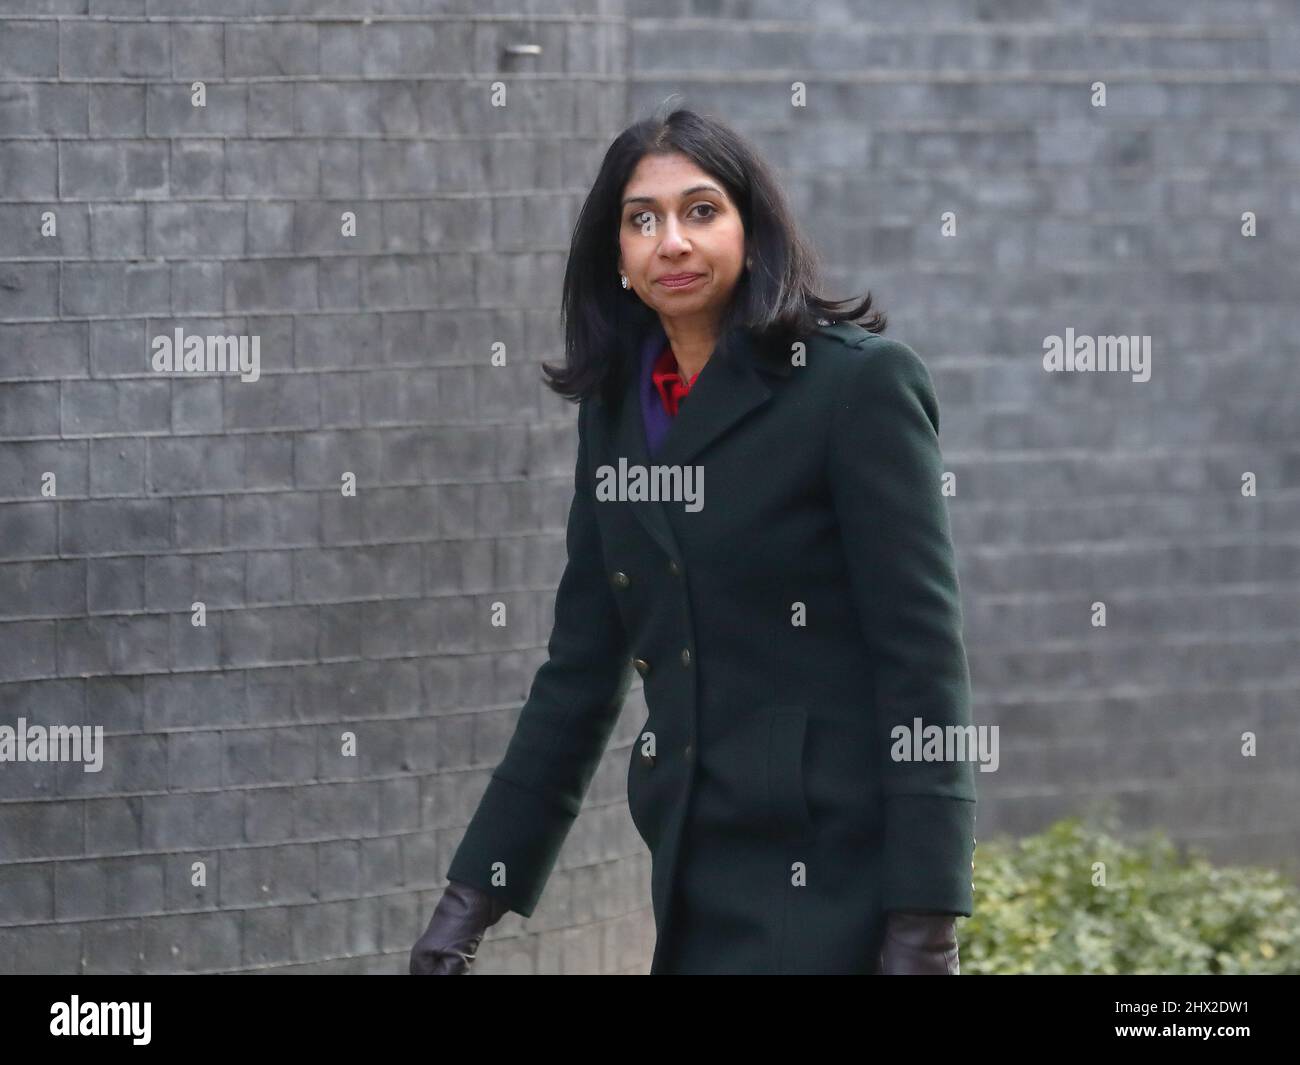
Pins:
x: 793, y: 626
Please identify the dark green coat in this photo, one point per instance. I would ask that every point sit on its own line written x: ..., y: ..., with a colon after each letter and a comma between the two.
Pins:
x: 780, y: 829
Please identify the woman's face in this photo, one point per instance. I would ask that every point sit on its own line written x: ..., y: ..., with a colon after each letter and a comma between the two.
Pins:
x: 677, y: 219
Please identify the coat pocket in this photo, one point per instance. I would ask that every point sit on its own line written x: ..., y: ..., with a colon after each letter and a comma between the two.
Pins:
x: 640, y: 775
x: 787, y: 730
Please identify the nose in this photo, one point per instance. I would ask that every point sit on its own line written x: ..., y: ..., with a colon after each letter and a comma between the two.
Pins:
x: 673, y: 242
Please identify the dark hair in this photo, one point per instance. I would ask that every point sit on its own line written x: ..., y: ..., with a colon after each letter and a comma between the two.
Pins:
x: 775, y: 299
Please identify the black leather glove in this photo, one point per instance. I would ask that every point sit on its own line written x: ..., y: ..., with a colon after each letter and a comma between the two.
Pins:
x: 450, y: 943
x: 919, y: 944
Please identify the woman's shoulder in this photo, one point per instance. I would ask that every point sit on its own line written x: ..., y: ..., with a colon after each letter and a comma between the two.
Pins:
x: 850, y: 334
x: 844, y: 348
x: 877, y: 378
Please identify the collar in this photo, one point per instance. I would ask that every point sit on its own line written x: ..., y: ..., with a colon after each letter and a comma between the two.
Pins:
x: 667, y: 377
x: 743, y: 345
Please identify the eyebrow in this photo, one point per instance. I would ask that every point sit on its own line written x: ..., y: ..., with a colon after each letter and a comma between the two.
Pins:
x: 682, y: 195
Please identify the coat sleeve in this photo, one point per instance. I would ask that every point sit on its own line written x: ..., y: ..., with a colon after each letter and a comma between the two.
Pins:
x: 535, y: 793
x: 885, y: 473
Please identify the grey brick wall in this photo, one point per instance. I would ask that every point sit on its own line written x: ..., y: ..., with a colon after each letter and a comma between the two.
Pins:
x: 370, y: 614
x: 1073, y: 488
x: 326, y: 613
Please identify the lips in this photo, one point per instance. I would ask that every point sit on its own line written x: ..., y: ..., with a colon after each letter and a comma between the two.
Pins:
x: 678, y: 280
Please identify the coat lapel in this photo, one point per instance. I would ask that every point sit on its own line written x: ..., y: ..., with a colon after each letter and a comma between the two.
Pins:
x: 724, y: 393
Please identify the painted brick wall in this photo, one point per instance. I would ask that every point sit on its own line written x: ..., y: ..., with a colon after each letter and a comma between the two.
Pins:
x: 370, y: 614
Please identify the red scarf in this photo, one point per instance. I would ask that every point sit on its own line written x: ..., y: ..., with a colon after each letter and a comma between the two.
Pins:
x: 668, y: 379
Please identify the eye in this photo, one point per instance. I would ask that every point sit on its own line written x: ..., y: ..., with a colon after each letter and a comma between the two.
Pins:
x: 712, y: 210
x: 636, y: 218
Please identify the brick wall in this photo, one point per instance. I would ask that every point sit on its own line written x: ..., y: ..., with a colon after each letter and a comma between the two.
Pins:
x: 370, y: 614
x: 327, y: 613
x: 1073, y: 489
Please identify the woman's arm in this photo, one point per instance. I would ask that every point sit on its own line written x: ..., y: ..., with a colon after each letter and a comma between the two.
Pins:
x: 535, y: 793
x: 885, y: 468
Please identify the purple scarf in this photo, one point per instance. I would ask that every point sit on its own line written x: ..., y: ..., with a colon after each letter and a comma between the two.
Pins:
x: 656, y: 420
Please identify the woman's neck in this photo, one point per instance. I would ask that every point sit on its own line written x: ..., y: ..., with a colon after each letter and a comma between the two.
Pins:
x: 693, y: 342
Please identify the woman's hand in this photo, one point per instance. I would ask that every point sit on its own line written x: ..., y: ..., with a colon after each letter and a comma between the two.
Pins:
x: 450, y: 943
x: 919, y: 944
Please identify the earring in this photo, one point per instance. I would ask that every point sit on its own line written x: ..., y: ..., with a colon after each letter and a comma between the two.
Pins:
x: 624, y: 277
x: 749, y: 262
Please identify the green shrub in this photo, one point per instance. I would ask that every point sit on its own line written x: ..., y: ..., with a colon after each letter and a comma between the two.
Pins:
x: 1039, y: 908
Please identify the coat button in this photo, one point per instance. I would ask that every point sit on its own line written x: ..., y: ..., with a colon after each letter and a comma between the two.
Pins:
x: 621, y: 579
x: 673, y: 568
x: 686, y: 656
x: 689, y: 752
x: 642, y: 666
